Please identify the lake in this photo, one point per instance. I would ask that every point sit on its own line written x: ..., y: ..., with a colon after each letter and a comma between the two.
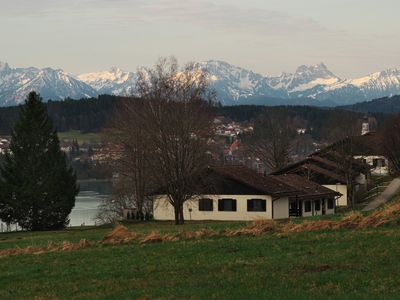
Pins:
x: 92, y: 192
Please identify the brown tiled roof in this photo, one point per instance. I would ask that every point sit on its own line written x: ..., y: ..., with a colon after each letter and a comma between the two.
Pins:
x: 309, y: 188
x: 290, y: 167
x: 324, y: 161
x: 308, y: 165
x: 266, y: 184
x: 325, y: 172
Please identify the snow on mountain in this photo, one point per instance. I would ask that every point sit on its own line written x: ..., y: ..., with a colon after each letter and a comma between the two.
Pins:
x: 305, y: 78
x: 373, y: 86
x: 114, y: 81
x: 16, y: 84
x: 4, y: 68
x: 233, y: 84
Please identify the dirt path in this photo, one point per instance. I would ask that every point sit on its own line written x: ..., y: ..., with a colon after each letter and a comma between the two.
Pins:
x: 392, y: 188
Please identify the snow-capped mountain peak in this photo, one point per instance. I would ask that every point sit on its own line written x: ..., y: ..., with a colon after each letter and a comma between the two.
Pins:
x: 317, y: 71
x: 4, y: 68
x: 305, y: 78
x: 115, y: 81
x: 16, y: 84
x: 233, y: 84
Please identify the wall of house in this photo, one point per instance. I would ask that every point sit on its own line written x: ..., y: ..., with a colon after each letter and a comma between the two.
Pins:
x: 315, y: 212
x: 378, y: 170
x: 163, y: 210
x: 310, y: 213
x: 341, y: 188
x: 281, y: 208
x: 329, y: 211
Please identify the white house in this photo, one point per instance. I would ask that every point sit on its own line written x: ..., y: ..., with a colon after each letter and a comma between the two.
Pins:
x: 241, y: 194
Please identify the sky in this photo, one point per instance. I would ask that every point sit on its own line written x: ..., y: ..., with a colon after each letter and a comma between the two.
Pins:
x: 352, y: 37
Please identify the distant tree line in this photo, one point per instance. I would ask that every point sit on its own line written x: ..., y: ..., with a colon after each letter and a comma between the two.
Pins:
x: 92, y: 115
x: 86, y: 115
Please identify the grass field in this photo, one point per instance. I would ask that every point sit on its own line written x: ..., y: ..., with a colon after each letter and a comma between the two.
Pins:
x: 81, y: 137
x: 341, y: 264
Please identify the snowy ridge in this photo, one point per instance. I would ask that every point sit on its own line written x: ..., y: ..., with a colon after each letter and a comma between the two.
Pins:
x: 16, y: 84
x: 233, y: 84
x: 114, y: 81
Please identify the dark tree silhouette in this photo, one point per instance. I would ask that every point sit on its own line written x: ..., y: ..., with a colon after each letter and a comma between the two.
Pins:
x: 391, y: 143
x: 37, y: 187
x: 271, y: 141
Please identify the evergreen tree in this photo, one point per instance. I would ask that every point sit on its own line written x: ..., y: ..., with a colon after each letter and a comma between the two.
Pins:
x: 37, y: 187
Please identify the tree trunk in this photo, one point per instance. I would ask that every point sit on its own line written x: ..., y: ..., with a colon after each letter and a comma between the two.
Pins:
x: 181, y: 217
x: 176, y: 211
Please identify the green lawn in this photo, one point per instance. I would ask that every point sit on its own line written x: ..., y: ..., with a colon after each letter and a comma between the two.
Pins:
x: 339, y: 264
x: 81, y: 137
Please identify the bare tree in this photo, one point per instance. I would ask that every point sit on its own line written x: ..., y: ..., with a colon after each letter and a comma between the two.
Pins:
x: 134, y: 180
x: 343, y: 128
x: 271, y: 141
x: 391, y: 143
x: 111, y: 210
x: 173, y: 122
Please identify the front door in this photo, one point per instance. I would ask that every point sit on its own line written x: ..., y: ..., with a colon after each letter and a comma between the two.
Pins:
x: 323, y: 203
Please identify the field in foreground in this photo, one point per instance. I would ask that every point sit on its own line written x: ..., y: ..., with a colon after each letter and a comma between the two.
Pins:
x: 345, y: 263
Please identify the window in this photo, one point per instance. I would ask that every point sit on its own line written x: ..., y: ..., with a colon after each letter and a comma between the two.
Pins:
x: 206, y: 204
x: 256, y: 205
x: 307, y: 206
x: 383, y: 163
x: 331, y: 204
x: 317, y: 205
x: 227, y: 205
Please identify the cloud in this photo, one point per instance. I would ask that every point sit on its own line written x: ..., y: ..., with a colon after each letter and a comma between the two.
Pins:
x: 209, y: 15
x: 204, y: 14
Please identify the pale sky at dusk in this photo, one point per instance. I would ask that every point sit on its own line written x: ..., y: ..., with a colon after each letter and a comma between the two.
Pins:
x: 352, y: 37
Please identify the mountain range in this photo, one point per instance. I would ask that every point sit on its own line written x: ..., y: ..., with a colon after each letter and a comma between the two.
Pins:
x: 310, y: 85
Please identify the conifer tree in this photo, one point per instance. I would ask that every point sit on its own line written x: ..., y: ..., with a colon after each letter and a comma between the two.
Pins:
x: 37, y: 188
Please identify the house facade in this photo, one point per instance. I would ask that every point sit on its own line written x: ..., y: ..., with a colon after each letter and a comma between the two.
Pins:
x: 241, y: 194
x: 323, y: 171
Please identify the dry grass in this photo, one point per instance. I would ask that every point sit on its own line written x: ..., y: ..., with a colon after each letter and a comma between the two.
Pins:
x: 51, y: 247
x: 121, y: 235
x: 381, y: 217
x: 202, y: 233
x: 157, y: 237
x: 255, y: 228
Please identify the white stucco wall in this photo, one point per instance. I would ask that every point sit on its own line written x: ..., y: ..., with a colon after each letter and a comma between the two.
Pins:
x: 281, y: 208
x: 341, y: 188
x: 329, y: 211
x: 163, y: 210
x: 307, y: 214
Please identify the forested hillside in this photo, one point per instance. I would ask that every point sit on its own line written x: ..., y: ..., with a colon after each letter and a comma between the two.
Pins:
x: 91, y: 115
x: 86, y: 115
x: 387, y: 105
